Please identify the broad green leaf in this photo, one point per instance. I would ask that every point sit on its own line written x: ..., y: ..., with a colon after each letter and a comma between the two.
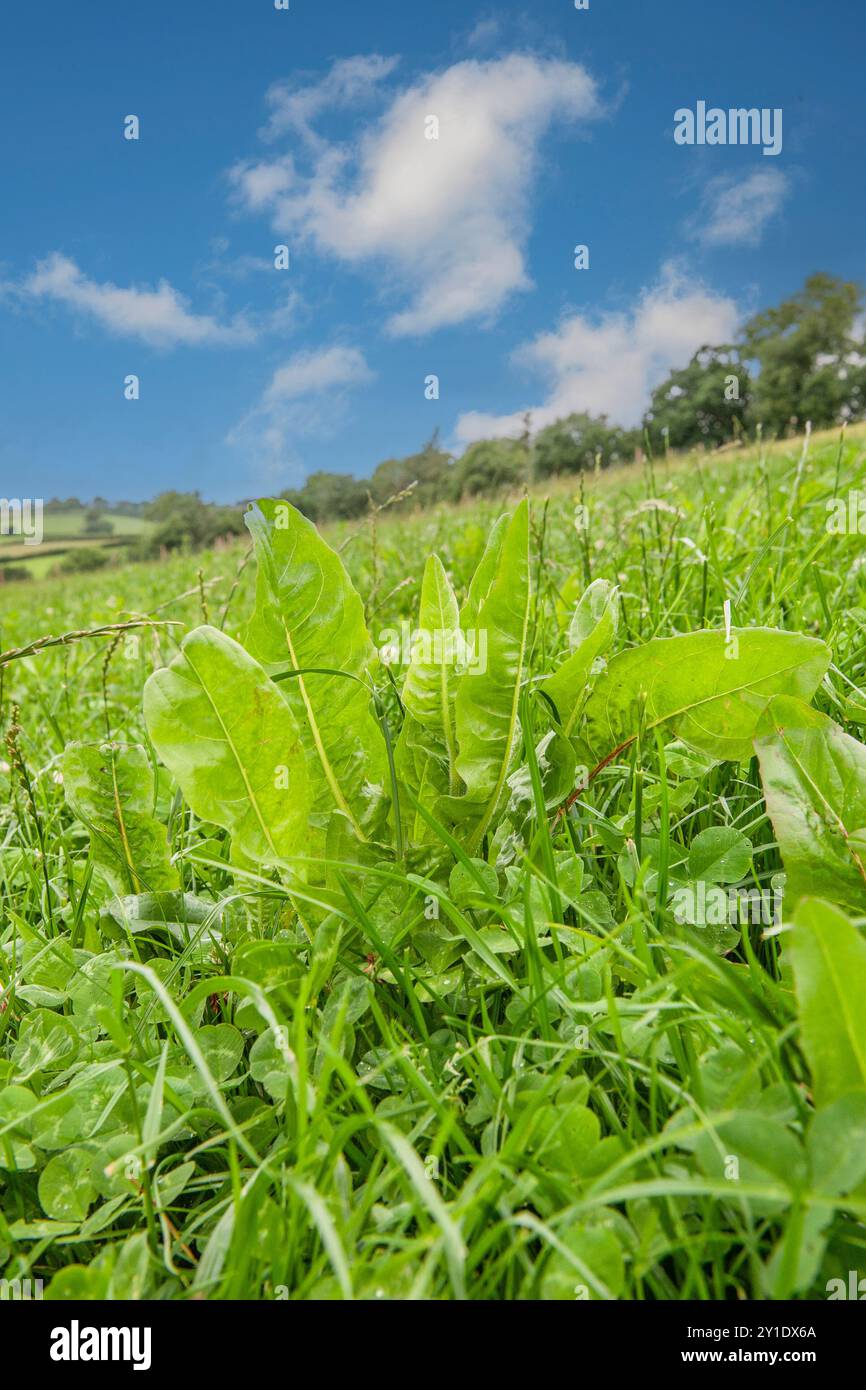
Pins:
x: 275, y: 966
x: 47, y: 1041
x: 95, y: 1103
x: 182, y: 916
x: 426, y: 751
x: 488, y: 729
x: 729, y: 1078
x: 597, y: 606
x: 485, y: 573
x: 110, y: 788
x: 836, y: 1151
x: 710, y: 692
x: 593, y: 628
x: 115, y: 1166
x: 687, y: 762
x: 65, y: 1190
x: 589, y: 1266
x: 222, y: 1047
x: 814, y: 780
x: 132, y: 1270
x: 309, y: 617
x: 350, y: 998
x: 229, y: 739
x: 829, y: 961
x: 268, y: 1066
x: 836, y: 1145
x: 720, y: 854
x: 464, y: 887
x: 49, y: 964
x: 422, y: 770
x: 79, y: 1283
x: 438, y: 651
x: 170, y: 1184
x: 16, y: 1102
x: 564, y: 1136
x: 766, y: 1152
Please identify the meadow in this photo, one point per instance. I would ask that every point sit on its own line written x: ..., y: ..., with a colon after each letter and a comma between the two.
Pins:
x: 334, y: 969
x: 63, y: 532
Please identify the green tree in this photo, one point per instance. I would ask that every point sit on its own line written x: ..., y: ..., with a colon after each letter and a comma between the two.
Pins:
x: 487, y: 466
x: 430, y: 469
x: 330, y: 496
x: 803, y: 348
x: 703, y: 403
x: 183, y: 519
x: 96, y: 524
x: 577, y: 442
x: 83, y: 558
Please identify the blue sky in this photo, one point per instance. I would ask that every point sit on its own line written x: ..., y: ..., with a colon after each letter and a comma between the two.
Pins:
x: 409, y: 256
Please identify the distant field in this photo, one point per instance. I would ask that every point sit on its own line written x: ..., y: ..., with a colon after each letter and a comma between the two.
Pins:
x: 62, y: 531
x: 62, y: 525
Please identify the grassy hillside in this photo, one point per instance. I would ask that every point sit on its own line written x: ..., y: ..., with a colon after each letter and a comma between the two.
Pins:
x: 476, y: 1049
x: 64, y: 531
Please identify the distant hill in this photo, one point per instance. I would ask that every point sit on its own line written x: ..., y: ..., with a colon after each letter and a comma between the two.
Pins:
x: 68, y: 530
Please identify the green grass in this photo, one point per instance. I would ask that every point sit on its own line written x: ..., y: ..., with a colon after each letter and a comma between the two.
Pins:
x: 64, y: 531
x: 498, y: 1102
x: 61, y: 526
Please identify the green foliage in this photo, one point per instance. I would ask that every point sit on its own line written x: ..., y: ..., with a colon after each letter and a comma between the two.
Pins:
x: 428, y: 473
x: 110, y: 788
x: 703, y: 404
x: 330, y: 497
x: 83, y: 558
x: 592, y: 630
x: 707, y: 690
x: 233, y: 746
x: 96, y: 524
x: 309, y: 623
x: 183, y: 520
x: 430, y: 687
x: 802, y: 348
x: 579, y: 442
x: 814, y: 780
x: 491, y: 465
x: 828, y: 956
x: 486, y: 708
x: 246, y: 1052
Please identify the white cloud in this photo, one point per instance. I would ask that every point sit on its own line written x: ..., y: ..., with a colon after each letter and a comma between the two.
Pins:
x: 309, y: 373
x: 448, y: 219
x: 350, y: 82
x: 485, y: 33
x: 156, y: 316
x: 265, y: 182
x: 734, y: 212
x: 611, y: 365
x: 306, y: 396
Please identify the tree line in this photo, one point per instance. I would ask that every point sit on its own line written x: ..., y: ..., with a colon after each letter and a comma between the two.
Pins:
x: 804, y: 359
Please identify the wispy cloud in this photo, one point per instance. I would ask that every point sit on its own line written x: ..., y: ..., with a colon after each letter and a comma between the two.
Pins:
x: 305, y: 396
x: 159, y: 317
x: 350, y: 82
x: 226, y: 264
x: 735, y: 211
x: 309, y: 373
x: 447, y: 219
x: 484, y: 33
x: 610, y: 365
